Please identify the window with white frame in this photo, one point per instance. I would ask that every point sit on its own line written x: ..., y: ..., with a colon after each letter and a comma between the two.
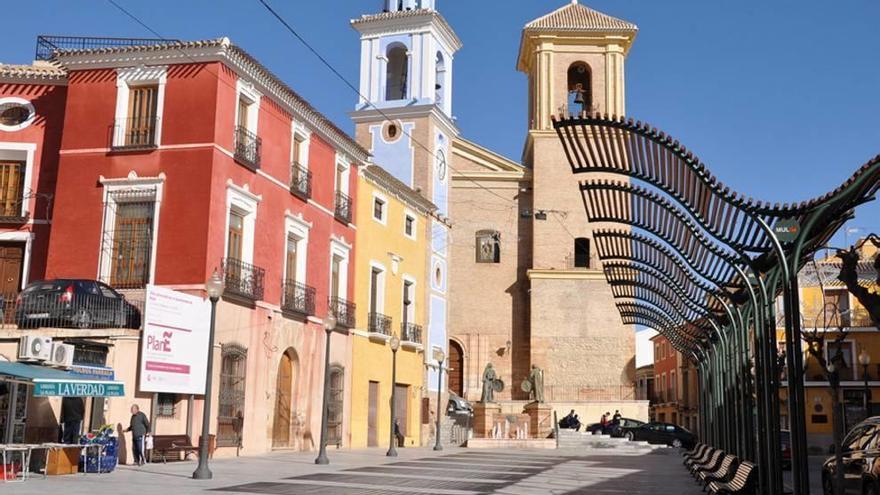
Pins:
x: 380, y: 208
x: 339, y: 256
x: 247, y: 106
x: 296, y: 249
x: 342, y: 175
x: 140, y: 97
x: 377, y: 288
x: 241, y: 217
x: 129, y: 233
x: 409, y: 225
x: 16, y: 168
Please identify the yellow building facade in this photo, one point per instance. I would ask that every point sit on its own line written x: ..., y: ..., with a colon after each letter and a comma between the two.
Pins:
x: 827, y: 308
x: 391, y: 287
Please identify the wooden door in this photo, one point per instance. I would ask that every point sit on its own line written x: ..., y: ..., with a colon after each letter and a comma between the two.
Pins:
x: 11, y: 188
x: 283, y: 402
x: 456, y: 368
x: 401, y: 412
x: 11, y: 259
x: 373, y: 416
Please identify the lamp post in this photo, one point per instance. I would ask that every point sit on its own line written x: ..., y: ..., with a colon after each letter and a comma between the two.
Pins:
x: 214, y: 288
x: 865, y: 360
x: 440, y: 357
x: 395, y: 345
x: 329, y: 326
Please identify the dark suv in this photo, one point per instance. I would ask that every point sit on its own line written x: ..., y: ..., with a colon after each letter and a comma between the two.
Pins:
x: 861, y: 460
x: 74, y: 303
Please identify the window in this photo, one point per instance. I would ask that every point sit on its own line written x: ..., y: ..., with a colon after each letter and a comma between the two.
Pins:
x: 235, y: 235
x: 290, y: 259
x: 379, y: 209
x: 488, y: 246
x: 140, y: 94
x: 335, y: 416
x: 841, y: 355
x: 396, y: 73
x: 247, y: 143
x: 230, y: 412
x: 581, y: 252
x: 241, y: 215
x: 579, y: 88
x: 409, y: 226
x: 15, y: 114
x: 165, y: 405
x: 377, y: 292
x: 440, y: 79
x: 132, y: 244
x: 11, y: 188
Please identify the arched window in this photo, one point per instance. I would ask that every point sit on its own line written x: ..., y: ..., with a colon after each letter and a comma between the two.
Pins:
x: 580, y: 88
x: 396, y: 73
x: 440, y: 76
x: 334, y: 418
x: 230, y: 413
x: 581, y: 252
x: 488, y: 246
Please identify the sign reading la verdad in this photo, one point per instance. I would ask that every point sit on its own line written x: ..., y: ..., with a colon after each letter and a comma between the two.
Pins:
x: 174, y: 344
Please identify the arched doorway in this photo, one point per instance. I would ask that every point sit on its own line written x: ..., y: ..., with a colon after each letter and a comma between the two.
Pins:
x: 456, y: 368
x: 284, y: 401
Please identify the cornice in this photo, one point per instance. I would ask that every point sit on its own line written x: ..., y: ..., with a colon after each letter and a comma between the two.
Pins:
x: 550, y: 274
x: 406, y: 22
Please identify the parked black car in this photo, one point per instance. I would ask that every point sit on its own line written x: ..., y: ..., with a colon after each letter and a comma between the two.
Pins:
x: 662, y: 434
x: 861, y: 460
x: 623, y: 426
x: 74, y: 303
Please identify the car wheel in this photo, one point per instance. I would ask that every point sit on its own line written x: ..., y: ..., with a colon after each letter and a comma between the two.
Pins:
x: 630, y: 436
x: 82, y: 319
x: 676, y: 443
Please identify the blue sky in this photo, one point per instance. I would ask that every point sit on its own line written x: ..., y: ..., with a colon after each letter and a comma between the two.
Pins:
x: 779, y: 98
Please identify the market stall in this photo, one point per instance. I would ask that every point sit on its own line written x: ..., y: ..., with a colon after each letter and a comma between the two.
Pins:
x: 20, y: 381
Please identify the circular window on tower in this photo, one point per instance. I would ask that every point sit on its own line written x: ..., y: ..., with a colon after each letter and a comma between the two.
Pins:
x: 391, y: 131
x: 15, y: 114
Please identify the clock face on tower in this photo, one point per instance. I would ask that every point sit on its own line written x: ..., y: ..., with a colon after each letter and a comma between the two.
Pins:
x: 441, y: 165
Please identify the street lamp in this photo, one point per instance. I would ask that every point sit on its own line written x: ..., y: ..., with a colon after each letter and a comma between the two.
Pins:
x: 865, y: 360
x: 440, y: 357
x: 214, y: 288
x: 395, y: 345
x: 329, y: 326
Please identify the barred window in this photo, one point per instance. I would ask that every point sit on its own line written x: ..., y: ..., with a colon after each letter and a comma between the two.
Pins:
x: 230, y: 413
x: 165, y: 405
x: 132, y: 244
x: 334, y: 418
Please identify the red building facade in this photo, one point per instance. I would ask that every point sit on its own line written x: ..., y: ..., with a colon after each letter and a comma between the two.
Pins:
x: 32, y: 101
x: 179, y: 159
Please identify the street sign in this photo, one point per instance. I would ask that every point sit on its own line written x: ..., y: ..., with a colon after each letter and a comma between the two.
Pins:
x: 58, y: 388
x: 787, y: 229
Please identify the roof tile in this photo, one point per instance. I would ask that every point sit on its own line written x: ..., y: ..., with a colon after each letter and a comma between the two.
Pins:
x: 577, y: 17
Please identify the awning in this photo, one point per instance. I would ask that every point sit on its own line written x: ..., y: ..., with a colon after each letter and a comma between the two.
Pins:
x: 50, y: 382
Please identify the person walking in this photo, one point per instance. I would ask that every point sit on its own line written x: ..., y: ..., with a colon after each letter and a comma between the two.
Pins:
x: 73, y: 410
x: 139, y: 428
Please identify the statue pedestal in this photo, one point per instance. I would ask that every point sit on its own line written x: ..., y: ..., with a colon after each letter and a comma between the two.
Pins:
x: 541, y: 418
x: 484, y: 418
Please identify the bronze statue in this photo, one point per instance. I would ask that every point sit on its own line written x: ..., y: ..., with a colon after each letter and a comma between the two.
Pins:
x: 489, y: 385
x: 534, y: 384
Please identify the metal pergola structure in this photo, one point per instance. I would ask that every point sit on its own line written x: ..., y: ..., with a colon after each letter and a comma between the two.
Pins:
x: 704, y: 265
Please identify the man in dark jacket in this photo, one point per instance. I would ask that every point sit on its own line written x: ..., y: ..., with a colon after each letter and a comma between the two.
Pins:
x: 139, y: 428
x: 73, y: 410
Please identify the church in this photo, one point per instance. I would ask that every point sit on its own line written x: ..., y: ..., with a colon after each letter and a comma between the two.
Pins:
x: 513, y: 258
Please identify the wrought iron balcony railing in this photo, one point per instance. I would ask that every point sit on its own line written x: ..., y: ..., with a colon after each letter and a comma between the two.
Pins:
x: 298, y: 298
x: 343, y: 311
x: 243, y: 280
x: 136, y: 133
x: 379, y: 323
x: 247, y: 148
x: 11, y: 210
x: 47, y: 45
x: 300, y: 181
x: 410, y: 332
x: 343, y: 207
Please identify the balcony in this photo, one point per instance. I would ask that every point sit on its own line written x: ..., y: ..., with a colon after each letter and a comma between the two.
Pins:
x: 410, y: 332
x: 380, y: 324
x: 343, y: 208
x: 48, y: 45
x: 247, y: 148
x: 297, y: 299
x: 135, y: 134
x: 244, y: 282
x: 300, y: 181
x: 343, y: 311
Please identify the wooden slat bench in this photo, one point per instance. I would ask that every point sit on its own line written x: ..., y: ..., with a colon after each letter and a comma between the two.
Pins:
x: 163, y: 445
x: 709, y: 465
x: 724, y: 472
x: 743, y: 482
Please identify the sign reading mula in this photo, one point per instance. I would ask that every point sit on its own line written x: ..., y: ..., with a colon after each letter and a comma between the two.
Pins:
x: 787, y: 229
x: 174, y: 354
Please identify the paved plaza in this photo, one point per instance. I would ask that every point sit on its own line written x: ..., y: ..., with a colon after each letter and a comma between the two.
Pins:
x: 419, y: 471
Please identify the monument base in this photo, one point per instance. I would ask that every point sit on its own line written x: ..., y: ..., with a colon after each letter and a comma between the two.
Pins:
x: 484, y: 418
x: 541, y: 419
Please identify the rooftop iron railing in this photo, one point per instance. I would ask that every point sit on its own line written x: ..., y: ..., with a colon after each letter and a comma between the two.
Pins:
x: 48, y: 45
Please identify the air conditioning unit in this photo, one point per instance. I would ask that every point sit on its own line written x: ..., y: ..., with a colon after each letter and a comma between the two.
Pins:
x: 62, y: 355
x: 34, y: 348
